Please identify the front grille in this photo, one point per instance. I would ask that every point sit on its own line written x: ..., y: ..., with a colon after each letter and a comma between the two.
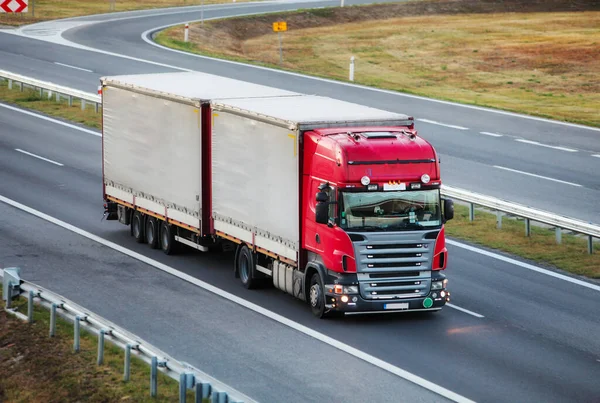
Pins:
x: 394, y: 274
x: 393, y: 266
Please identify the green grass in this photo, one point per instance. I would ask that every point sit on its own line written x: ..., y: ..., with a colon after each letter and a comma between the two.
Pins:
x: 35, y: 367
x: 541, y: 247
x: 31, y: 99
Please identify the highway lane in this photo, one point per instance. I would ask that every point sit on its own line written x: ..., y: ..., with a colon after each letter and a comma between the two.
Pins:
x: 504, y: 166
x: 259, y: 357
x: 534, y: 326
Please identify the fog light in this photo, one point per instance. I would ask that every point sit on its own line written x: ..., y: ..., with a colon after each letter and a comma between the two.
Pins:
x: 443, y: 294
x: 344, y: 298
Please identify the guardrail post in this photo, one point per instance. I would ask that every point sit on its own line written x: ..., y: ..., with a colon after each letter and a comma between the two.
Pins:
x: 76, y: 335
x: 499, y: 219
x: 471, y: 212
x: 30, y: 307
x: 219, y: 397
x: 101, y: 347
x: 558, y: 235
x: 57, y: 97
x: 10, y: 82
x: 97, y: 107
x: 83, y: 104
x: 49, y: 94
x: 53, y: 320
x: 153, y: 377
x: 41, y: 92
x: 527, y: 227
x: 22, y: 87
x: 70, y: 100
x: 202, y: 391
x: 590, y: 244
x: 127, y: 369
x: 182, y: 387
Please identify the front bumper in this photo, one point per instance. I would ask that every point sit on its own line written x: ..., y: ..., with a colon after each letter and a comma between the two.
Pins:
x: 356, y: 304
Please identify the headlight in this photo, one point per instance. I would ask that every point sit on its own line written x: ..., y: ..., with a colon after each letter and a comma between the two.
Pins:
x: 437, y: 285
x: 343, y: 289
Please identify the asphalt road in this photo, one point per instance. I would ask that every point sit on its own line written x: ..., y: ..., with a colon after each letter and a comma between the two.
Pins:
x: 534, y: 337
x: 535, y: 162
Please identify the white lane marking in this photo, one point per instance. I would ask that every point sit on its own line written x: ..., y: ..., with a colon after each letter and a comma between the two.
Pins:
x: 535, y: 143
x: 38, y: 157
x: 492, y: 134
x: 464, y: 310
x: 537, y: 176
x: 73, y: 67
x: 146, y: 39
x: 247, y: 304
x: 524, y: 265
x: 596, y: 155
x: 58, y: 122
x: 433, y: 122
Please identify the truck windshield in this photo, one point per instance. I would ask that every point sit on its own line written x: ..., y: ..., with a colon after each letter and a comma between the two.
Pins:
x: 390, y: 211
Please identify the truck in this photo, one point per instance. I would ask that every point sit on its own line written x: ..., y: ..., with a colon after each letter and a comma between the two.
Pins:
x: 335, y: 203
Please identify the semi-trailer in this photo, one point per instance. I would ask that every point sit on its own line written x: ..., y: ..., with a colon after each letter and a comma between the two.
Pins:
x: 335, y: 203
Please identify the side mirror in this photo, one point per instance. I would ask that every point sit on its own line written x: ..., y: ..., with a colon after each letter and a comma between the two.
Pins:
x: 448, y: 209
x: 322, y: 197
x: 322, y: 212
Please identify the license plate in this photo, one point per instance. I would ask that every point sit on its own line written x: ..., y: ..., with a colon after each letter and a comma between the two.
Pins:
x: 401, y: 305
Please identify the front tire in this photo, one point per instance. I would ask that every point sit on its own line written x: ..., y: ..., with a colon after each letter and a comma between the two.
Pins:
x: 316, y: 296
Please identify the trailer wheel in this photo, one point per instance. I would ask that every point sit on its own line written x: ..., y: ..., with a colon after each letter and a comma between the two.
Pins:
x: 137, y: 227
x: 316, y: 296
x: 245, y: 267
x: 152, y: 232
x: 167, y: 238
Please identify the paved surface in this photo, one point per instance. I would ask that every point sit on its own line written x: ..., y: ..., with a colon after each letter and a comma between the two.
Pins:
x: 537, y: 339
x: 263, y: 359
x: 560, y: 179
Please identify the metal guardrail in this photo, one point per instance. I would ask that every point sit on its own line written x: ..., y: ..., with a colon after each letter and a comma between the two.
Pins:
x: 50, y: 88
x: 501, y: 206
x: 189, y: 377
x: 528, y: 213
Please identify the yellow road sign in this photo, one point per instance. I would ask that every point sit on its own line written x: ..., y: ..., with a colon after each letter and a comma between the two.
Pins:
x: 279, y: 26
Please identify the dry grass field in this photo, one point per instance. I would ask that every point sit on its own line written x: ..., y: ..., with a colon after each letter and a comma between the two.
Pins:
x: 539, y: 58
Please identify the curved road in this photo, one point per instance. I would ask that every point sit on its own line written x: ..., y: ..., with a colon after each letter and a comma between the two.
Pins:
x: 525, y: 335
x: 544, y: 164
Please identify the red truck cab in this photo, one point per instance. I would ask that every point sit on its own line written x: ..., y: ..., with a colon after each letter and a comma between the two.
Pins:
x: 373, y: 221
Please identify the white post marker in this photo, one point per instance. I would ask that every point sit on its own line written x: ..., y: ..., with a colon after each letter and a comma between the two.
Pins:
x: 341, y: 3
x: 351, y: 68
x: 186, y: 34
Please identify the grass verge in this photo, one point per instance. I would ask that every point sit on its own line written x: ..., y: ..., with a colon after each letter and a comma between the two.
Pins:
x: 45, y: 10
x: 37, y: 368
x: 538, y: 58
x: 31, y: 99
x: 570, y: 256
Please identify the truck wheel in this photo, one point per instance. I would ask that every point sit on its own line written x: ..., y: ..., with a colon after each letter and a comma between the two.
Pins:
x: 152, y: 232
x: 316, y: 296
x: 245, y: 267
x: 166, y: 238
x: 137, y: 226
